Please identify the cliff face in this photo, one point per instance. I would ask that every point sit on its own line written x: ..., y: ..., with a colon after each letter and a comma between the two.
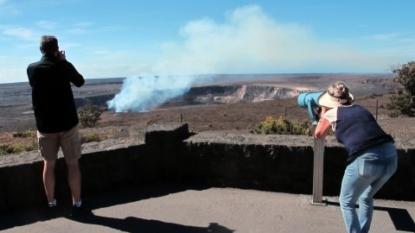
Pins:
x: 234, y: 94
x: 263, y: 93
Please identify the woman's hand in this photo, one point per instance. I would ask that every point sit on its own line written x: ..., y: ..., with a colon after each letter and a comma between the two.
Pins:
x: 320, y: 112
x: 323, y: 126
x: 323, y: 110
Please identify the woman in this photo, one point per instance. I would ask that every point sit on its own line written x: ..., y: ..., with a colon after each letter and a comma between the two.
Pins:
x: 372, y: 156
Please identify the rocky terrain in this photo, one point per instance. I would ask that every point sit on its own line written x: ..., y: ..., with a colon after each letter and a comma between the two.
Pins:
x: 230, y: 103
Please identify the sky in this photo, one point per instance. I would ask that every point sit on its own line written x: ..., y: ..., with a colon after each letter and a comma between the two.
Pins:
x: 126, y: 38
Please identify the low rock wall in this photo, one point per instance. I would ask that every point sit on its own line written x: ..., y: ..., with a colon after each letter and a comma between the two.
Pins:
x: 170, y: 153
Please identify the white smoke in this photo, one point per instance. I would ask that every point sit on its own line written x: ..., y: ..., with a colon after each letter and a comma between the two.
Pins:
x: 207, y: 48
x: 143, y: 93
x: 248, y: 42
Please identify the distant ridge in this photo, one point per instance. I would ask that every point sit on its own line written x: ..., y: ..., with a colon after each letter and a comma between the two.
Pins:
x: 233, y: 77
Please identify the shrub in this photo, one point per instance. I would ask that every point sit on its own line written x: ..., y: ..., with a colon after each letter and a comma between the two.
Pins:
x: 403, y: 101
x: 282, y: 126
x: 90, y: 137
x: 90, y: 114
x: 18, y: 148
x: 401, y: 104
x: 24, y: 133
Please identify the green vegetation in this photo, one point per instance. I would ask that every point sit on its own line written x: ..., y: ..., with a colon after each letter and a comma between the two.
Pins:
x: 282, y: 126
x: 91, y: 137
x: 18, y: 148
x: 22, y: 145
x: 29, y: 133
x: 90, y: 114
x: 403, y: 101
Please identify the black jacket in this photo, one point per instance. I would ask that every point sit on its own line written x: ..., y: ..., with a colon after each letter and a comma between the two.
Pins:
x: 52, y: 97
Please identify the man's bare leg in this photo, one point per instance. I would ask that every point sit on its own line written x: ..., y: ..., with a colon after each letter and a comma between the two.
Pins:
x: 74, y: 179
x: 49, y: 179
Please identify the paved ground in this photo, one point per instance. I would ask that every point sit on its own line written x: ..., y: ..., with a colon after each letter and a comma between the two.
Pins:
x: 175, y: 208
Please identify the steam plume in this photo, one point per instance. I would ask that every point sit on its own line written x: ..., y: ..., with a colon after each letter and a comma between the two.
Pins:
x: 144, y: 93
x: 247, y: 42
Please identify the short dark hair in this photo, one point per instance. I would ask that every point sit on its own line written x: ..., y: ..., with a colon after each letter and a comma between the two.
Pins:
x: 49, y: 44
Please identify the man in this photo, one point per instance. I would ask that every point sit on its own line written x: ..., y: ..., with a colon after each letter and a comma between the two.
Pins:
x: 56, y: 118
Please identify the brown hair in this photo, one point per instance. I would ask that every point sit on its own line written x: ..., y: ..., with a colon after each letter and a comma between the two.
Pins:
x: 49, y: 44
x: 341, y: 91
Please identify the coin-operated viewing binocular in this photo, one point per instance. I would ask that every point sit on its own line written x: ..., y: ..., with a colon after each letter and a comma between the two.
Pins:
x: 309, y: 100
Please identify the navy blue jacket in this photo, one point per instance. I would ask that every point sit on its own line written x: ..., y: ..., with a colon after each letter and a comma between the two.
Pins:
x: 52, y: 97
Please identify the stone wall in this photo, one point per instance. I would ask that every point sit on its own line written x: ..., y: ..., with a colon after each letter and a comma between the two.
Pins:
x: 170, y: 153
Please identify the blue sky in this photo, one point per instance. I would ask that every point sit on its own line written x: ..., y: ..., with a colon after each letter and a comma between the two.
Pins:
x: 122, y: 38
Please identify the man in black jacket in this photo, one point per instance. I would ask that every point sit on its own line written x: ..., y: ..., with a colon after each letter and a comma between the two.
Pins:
x: 56, y: 117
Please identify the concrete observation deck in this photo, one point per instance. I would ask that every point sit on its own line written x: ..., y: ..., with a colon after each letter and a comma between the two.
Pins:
x: 175, y: 208
x: 208, y: 182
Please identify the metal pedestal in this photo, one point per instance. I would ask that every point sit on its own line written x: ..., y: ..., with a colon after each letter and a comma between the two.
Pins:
x: 318, y: 171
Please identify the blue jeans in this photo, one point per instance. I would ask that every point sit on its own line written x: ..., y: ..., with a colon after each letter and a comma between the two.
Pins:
x: 362, y: 180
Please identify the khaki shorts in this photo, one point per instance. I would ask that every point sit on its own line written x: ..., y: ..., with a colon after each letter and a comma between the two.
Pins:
x: 69, y: 141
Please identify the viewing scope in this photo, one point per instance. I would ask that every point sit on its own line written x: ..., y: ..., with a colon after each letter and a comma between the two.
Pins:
x: 309, y: 100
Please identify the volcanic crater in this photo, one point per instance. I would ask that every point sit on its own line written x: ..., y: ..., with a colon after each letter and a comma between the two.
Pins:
x: 231, y: 103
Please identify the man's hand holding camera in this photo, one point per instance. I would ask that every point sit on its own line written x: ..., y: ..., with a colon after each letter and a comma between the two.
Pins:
x: 61, y: 55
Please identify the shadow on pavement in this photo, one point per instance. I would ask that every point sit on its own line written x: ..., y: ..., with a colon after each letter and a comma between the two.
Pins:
x: 138, y: 225
x: 401, y: 218
x: 24, y: 218
x: 139, y: 193
x: 105, y: 200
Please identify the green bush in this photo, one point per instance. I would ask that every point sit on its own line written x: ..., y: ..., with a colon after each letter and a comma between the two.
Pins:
x: 24, y: 133
x: 401, y: 104
x: 90, y: 137
x: 282, y: 126
x: 403, y: 101
x: 18, y: 148
x: 90, y: 114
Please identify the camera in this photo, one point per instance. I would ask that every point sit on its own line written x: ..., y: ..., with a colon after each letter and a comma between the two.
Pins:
x: 61, y: 55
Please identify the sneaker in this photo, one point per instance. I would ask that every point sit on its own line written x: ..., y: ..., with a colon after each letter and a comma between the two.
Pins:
x: 80, y: 211
x: 53, y: 211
